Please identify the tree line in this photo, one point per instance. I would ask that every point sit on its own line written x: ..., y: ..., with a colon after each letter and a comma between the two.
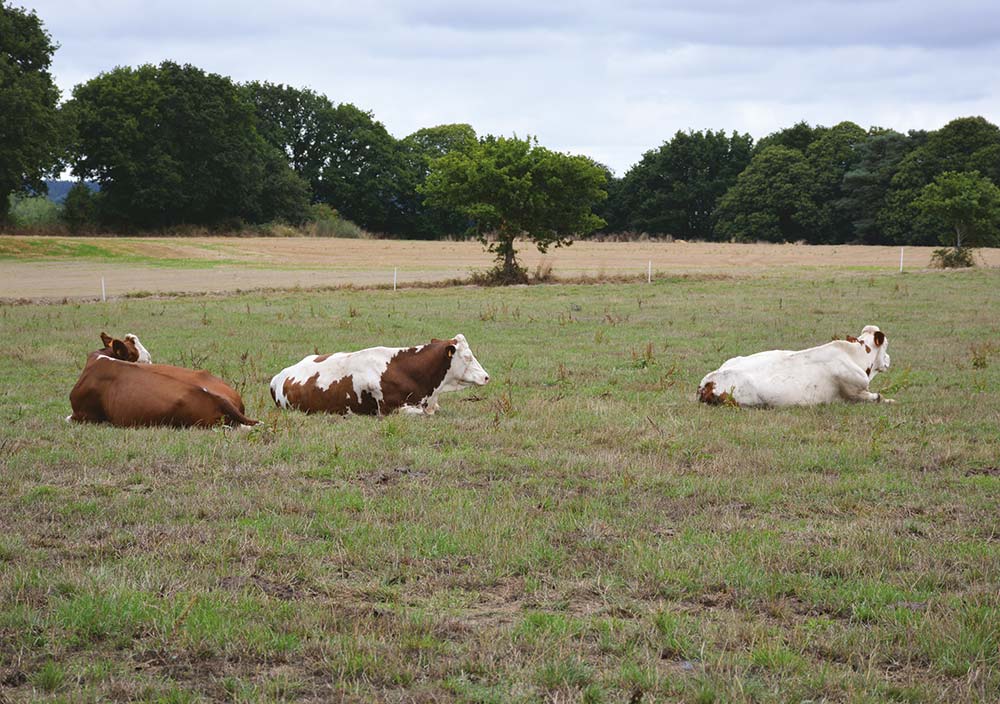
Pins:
x: 172, y: 145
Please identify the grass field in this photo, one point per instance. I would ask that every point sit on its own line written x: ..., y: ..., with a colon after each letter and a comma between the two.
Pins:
x: 579, y: 530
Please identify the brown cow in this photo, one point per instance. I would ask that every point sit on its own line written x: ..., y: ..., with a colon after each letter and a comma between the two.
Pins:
x: 121, y: 386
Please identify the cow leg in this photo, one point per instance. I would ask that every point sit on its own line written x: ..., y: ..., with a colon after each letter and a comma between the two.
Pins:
x: 856, y: 389
x: 867, y: 396
x: 412, y: 410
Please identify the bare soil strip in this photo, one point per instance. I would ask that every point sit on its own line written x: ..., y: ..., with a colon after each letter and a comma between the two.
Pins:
x: 251, y: 263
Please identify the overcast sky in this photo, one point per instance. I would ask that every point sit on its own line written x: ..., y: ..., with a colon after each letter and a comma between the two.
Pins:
x: 608, y: 79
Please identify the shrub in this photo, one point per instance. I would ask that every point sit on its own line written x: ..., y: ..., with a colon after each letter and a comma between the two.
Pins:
x: 325, y: 221
x: 499, y: 276
x: 34, y: 212
x: 953, y: 258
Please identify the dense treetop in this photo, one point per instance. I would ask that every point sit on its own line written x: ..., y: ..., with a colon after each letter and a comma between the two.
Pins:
x: 29, y: 130
x: 172, y: 145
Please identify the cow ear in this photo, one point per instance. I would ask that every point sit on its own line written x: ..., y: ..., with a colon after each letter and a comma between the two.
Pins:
x: 120, y: 350
x: 450, y: 350
x: 879, y: 338
x: 106, y: 339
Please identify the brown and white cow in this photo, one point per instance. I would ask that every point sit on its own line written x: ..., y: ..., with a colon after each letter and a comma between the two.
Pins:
x: 120, y: 385
x: 379, y: 380
x: 837, y: 371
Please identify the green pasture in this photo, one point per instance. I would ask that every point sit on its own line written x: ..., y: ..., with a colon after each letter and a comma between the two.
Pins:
x: 63, y: 249
x: 579, y: 530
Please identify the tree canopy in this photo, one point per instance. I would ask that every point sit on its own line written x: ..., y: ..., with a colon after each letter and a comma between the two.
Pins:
x: 964, y: 144
x: 171, y: 145
x: 674, y: 189
x: 30, y: 138
x: 510, y: 188
x: 418, y: 151
x: 772, y: 199
x: 966, y: 201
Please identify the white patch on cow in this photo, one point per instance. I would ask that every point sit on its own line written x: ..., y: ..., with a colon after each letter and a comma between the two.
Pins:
x: 365, y: 368
x: 465, y: 371
x: 838, y: 370
x: 144, y: 357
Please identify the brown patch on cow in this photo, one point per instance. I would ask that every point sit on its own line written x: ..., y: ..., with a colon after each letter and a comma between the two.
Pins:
x: 121, y: 351
x: 124, y: 350
x: 339, y: 397
x: 706, y: 394
x: 322, y: 357
x: 851, y: 338
x: 868, y: 371
x: 868, y: 350
x: 413, y: 374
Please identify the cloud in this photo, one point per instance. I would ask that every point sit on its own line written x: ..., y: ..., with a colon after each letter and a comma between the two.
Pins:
x: 608, y: 79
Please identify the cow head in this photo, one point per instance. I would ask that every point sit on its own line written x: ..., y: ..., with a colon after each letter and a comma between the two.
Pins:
x: 127, y: 350
x: 875, y: 339
x: 465, y: 369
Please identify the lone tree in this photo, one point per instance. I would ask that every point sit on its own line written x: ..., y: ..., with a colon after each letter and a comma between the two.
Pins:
x: 28, y: 96
x: 510, y: 188
x: 968, y: 204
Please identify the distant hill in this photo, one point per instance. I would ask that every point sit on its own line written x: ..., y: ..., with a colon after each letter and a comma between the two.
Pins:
x: 59, y: 189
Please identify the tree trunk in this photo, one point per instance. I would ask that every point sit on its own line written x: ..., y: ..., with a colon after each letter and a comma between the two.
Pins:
x: 958, y: 237
x: 508, y: 260
x: 507, y: 252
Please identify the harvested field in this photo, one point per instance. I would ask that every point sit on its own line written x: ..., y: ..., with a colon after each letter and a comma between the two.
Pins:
x: 56, y: 268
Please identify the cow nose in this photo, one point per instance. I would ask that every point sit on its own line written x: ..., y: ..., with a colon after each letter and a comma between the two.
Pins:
x: 487, y: 378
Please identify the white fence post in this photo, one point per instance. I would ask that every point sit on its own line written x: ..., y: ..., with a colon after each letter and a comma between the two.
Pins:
x: 649, y: 272
x: 394, y: 270
x: 900, y: 260
x: 104, y: 297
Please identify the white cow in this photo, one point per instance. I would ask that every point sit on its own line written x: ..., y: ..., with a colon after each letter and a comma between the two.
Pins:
x: 837, y: 371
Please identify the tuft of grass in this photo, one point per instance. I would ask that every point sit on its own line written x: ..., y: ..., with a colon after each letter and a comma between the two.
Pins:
x: 50, y: 677
x: 569, y: 673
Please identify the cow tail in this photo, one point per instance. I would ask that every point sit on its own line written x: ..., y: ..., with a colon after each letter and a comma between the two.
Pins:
x: 234, y: 416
